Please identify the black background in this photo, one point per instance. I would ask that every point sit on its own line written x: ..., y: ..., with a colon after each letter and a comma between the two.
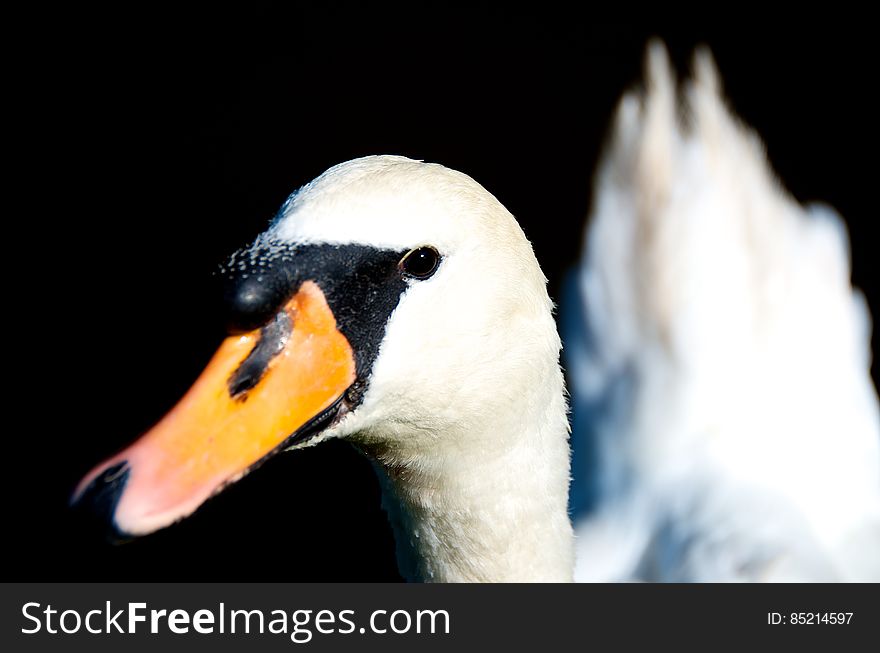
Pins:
x: 156, y: 141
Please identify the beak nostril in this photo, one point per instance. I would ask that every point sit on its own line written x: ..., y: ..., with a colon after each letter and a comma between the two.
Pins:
x: 273, y: 338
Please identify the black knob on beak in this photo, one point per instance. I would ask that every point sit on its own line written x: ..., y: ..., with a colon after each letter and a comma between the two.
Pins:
x: 255, y: 285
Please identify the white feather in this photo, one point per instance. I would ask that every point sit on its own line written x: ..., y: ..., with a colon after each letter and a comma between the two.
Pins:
x: 722, y: 370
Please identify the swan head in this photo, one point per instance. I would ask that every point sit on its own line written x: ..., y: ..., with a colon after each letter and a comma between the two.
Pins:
x: 391, y: 302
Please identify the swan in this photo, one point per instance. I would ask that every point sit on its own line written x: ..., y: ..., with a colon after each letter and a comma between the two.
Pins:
x: 718, y: 360
x: 398, y: 305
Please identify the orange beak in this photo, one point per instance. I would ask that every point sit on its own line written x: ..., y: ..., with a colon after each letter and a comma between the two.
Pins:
x: 261, y: 392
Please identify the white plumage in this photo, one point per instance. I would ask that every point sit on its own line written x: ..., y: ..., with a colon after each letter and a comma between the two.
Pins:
x: 719, y: 359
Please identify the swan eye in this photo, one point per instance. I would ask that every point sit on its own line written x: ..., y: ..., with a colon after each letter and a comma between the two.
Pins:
x: 420, y: 263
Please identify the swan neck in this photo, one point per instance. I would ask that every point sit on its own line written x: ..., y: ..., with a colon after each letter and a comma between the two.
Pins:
x: 502, y: 519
